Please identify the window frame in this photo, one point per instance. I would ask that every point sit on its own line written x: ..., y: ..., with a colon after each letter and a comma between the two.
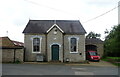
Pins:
x: 40, y: 38
x: 77, y: 39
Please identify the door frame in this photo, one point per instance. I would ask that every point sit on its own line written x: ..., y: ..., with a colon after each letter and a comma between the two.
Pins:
x: 51, y: 50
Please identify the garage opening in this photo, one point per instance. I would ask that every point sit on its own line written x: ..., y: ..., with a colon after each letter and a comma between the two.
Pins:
x: 91, y: 47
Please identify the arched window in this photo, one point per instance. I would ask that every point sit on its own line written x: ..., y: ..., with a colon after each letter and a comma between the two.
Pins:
x: 73, y: 44
x: 36, y: 44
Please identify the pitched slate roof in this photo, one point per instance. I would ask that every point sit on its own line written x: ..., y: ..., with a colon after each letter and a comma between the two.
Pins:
x: 93, y: 41
x: 41, y: 26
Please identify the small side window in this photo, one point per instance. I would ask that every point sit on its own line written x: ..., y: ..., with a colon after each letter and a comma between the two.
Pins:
x: 73, y: 44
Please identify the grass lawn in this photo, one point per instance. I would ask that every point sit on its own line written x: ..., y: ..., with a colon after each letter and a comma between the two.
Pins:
x: 113, y: 60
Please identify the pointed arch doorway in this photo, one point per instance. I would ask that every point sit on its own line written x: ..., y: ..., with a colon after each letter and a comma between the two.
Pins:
x: 55, y: 52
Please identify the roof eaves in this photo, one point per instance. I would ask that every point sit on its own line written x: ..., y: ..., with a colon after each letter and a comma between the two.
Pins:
x: 7, y: 47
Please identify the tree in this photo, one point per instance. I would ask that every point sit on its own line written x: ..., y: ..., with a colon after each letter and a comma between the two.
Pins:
x: 112, y: 42
x: 106, y: 31
x: 93, y: 35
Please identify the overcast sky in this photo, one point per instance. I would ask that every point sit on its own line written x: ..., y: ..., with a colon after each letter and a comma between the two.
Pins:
x: 15, y: 14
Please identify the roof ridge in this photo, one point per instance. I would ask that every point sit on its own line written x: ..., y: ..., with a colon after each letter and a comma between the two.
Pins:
x: 54, y: 20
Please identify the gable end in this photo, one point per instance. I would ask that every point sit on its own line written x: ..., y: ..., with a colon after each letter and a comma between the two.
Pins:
x: 55, y: 25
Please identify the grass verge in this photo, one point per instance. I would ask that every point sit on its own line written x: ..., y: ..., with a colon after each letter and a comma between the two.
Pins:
x: 113, y: 60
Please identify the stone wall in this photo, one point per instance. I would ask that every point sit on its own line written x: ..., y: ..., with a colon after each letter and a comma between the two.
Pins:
x: 51, y: 39
x: 55, y: 38
x: 29, y: 55
x: 19, y: 55
x: 100, y: 49
x: 8, y: 55
x: 74, y: 57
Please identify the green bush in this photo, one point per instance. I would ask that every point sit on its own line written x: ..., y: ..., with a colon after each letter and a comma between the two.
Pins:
x: 17, y: 62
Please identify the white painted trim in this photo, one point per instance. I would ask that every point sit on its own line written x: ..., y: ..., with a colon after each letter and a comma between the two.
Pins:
x: 69, y: 39
x: 36, y: 36
x: 55, y: 25
x: 56, y: 44
x: 39, y: 45
x: 74, y: 52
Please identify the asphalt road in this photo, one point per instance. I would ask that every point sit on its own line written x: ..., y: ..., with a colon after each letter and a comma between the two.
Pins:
x: 0, y: 69
x: 94, y: 68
